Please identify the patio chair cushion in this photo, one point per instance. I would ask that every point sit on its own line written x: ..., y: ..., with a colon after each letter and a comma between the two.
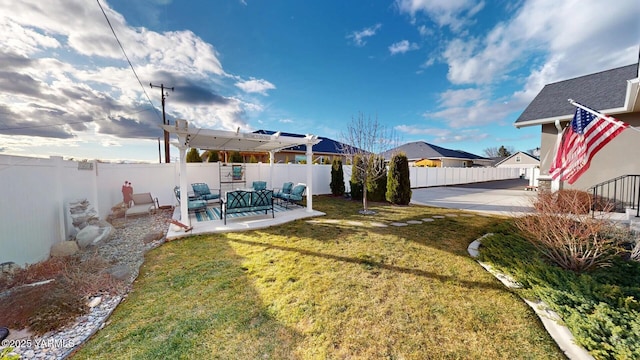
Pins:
x: 286, y: 189
x: 240, y: 201
x: 203, y: 192
x: 192, y: 205
x: 259, y: 185
x: 261, y: 198
x: 296, y: 194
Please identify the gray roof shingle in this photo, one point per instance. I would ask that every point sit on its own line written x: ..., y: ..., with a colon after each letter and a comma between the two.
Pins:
x: 600, y: 91
x: 422, y: 150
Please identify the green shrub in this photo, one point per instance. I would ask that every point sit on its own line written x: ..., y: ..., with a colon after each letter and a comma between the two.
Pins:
x: 193, y: 156
x: 377, y: 180
x: 355, y: 183
x: 337, y: 178
x: 398, y: 182
x: 356, y: 190
x: 600, y: 307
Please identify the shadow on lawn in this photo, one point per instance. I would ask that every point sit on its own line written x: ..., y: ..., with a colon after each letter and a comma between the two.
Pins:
x: 377, y: 264
x: 193, y: 300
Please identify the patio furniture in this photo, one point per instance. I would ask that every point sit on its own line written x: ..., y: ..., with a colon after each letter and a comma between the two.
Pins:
x: 202, y: 192
x: 192, y: 205
x: 143, y: 203
x: 295, y: 197
x: 286, y: 189
x: 259, y: 185
x: 244, y: 202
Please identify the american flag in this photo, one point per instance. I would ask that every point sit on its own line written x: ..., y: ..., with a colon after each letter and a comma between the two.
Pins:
x: 581, y: 140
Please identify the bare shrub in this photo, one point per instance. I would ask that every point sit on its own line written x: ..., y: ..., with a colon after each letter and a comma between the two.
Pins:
x: 52, y: 305
x: 564, y: 231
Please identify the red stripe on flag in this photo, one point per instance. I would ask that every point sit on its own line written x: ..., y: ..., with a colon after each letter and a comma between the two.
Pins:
x: 575, y: 151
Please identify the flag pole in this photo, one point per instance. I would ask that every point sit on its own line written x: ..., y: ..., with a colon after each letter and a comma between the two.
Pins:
x: 601, y: 116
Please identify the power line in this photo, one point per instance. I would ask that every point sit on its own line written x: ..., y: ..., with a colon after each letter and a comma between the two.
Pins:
x: 127, y: 57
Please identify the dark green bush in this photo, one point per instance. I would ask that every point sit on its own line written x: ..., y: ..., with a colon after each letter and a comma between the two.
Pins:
x: 377, y: 181
x: 398, y: 182
x: 356, y: 190
x: 337, y: 178
x: 193, y: 156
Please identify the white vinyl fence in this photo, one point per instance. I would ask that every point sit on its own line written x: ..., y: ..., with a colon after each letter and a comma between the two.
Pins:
x: 35, y: 192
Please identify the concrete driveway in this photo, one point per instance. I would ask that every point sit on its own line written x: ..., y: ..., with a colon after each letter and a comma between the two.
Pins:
x: 503, y: 197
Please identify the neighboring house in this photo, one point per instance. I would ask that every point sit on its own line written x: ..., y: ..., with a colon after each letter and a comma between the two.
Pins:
x: 519, y: 160
x: 420, y: 153
x: 614, y: 92
x: 527, y: 163
x: 323, y: 152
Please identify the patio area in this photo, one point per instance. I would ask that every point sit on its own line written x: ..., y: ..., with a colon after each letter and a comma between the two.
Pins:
x: 237, y: 223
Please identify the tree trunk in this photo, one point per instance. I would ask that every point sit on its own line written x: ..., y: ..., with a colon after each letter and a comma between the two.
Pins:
x: 364, y: 198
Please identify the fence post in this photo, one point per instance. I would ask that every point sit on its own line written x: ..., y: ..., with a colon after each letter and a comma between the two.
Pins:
x: 59, y: 196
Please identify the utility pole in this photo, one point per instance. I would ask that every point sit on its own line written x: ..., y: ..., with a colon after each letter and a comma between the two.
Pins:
x: 167, y: 157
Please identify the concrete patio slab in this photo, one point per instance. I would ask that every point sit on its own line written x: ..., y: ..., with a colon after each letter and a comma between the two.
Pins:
x: 242, y: 223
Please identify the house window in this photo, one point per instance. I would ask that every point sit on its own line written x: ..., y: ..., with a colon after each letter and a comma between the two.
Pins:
x: 518, y: 158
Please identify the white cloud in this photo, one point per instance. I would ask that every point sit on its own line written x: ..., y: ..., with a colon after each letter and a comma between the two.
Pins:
x: 402, y: 47
x: 286, y: 121
x: 89, y: 95
x: 452, y: 13
x: 587, y: 36
x: 451, y: 98
x: 439, y: 135
x: 359, y: 37
x: 482, y: 111
x: 545, y: 41
x: 255, y: 86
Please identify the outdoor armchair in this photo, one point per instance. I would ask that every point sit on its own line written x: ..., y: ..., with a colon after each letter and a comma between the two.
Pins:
x: 192, y: 205
x: 259, y: 185
x: 202, y: 192
x: 286, y: 189
x: 295, y: 197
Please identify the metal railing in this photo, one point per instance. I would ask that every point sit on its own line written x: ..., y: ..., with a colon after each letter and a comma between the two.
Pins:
x: 617, y: 194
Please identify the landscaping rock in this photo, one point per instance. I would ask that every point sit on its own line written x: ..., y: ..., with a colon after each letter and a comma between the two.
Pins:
x: 8, y: 268
x: 120, y: 272
x: 93, y: 234
x: 64, y: 248
x: 94, y: 302
x: 152, y: 236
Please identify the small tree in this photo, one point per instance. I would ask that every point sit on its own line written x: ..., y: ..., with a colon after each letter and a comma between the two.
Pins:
x: 193, y: 156
x: 398, y: 183
x: 210, y: 156
x: 337, y: 178
x: 252, y: 159
x: 366, y: 138
x: 236, y: 157
x: 503, y: 152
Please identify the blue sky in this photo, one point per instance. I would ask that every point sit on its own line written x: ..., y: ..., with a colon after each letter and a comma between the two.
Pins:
x: 455, y: 73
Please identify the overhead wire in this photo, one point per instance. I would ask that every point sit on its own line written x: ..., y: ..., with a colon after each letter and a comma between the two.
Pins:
x: 128, y: 60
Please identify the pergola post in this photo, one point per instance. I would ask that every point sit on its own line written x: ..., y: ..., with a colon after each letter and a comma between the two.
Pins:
x: 184, y: 192
x: 309, y: 176
x: 271, y: 156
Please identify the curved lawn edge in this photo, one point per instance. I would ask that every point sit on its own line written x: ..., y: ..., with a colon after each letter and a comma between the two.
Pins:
x: 550, y: 319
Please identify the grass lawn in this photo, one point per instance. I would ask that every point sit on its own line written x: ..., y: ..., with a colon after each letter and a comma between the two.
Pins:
x: 325, y: 288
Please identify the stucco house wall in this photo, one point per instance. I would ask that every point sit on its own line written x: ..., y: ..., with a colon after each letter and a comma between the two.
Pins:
x: 619, y: 157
